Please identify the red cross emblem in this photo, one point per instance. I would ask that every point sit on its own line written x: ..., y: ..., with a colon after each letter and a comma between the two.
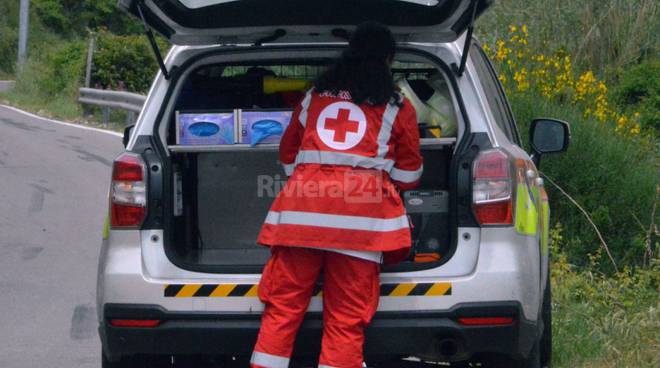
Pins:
x: 341, y: 125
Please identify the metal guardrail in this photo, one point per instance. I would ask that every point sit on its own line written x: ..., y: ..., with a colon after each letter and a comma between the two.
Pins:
x: 7, y: 85
x: 107, y: 99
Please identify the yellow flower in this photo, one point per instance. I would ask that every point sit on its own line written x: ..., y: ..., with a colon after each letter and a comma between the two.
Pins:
x: 552, y: 75
x: 521, y: 79
x: 622, y: 121
x: 635, y: 129
x: 502, y: 51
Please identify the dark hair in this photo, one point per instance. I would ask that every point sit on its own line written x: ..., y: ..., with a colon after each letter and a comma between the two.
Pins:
x: 363, y: 69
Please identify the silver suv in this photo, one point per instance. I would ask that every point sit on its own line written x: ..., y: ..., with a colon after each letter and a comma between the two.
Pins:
x: 179, y: 265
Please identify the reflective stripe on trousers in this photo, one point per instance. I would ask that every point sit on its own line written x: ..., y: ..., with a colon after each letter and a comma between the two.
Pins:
x: 337, y: 221
x: 268, y: 360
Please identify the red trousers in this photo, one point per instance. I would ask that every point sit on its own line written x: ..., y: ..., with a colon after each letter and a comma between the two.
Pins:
x: 350, y: 298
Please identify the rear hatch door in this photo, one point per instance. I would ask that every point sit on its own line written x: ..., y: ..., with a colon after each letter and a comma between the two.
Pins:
x: 204, y: 22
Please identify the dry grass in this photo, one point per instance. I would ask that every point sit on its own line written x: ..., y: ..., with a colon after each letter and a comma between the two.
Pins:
x: 603, y: 35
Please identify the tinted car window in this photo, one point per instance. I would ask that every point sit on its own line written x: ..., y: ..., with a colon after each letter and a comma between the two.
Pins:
x: 494, y: 94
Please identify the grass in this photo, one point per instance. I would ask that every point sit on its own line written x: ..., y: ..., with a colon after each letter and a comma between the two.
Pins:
x: 605, y: 321
x: 57, y: 107
x: 62, y: 108
x: 602, y: 35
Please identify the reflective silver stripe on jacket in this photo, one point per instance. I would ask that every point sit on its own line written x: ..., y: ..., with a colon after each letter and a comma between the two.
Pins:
x: 337, y: 221
x: 406, y: 176
x: 305, y: 106
x: 268, y: 360
x: 288, y: 168
x: 338, y: 158
x: 385, y: 132
x: 347, y: 159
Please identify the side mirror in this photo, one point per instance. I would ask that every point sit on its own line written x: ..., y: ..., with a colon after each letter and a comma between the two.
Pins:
x: 127, y: 134
x: 548, y: 136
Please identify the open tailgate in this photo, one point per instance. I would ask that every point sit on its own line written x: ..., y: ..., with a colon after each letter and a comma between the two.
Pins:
x: 203, y: 22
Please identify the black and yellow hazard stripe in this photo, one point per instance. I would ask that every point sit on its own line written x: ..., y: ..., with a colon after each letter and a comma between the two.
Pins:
x: 416, y: 289
x: 250, y: 290
x: 210, y: 291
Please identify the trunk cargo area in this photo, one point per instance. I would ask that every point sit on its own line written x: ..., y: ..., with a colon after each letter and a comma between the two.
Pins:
x: 225, y: 197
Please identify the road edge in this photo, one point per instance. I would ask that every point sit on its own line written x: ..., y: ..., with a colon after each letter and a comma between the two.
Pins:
x: 41, y: 118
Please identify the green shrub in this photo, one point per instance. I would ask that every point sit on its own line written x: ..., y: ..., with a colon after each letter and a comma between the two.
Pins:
x: 65, y: 68
x: 50, y: 80
x: 8, y: 36
x: 124, y: 62
x: 74, y: 17
x: 52, y: 14
x: 638, y: 89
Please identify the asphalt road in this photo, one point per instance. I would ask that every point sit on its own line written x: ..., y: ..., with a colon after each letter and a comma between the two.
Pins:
x: 53, y: 188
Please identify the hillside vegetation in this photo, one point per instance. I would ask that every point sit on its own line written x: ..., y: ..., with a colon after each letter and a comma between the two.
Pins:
x: 59, y: 37
x: 593, y: 63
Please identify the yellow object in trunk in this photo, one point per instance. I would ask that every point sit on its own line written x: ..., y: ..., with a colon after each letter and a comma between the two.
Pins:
x: 275, y: 85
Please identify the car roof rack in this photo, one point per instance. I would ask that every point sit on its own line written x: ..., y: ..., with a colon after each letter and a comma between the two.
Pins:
x: 468, y: 41
x: 152, y: 41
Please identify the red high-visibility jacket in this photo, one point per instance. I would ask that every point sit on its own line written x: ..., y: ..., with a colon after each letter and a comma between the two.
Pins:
x: 345, y: 163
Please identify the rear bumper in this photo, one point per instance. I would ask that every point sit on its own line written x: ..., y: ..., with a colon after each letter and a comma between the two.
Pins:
x: 425, y: 334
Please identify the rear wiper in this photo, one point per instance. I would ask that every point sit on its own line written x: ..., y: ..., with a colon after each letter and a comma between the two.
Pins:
x: 152, y: 41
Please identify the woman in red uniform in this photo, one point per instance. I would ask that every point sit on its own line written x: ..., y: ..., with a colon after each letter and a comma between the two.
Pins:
x: 352, y: 144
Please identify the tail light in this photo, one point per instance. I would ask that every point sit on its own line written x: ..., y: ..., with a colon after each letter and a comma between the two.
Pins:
x: 128, y: 192
x: 492, y: 188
